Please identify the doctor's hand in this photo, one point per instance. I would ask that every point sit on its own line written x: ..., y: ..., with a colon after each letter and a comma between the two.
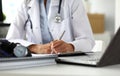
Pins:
x: 62, y: 47
x: 40, y: 48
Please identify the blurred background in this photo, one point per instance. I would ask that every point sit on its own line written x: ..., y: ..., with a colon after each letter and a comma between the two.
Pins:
x: 103, y: 16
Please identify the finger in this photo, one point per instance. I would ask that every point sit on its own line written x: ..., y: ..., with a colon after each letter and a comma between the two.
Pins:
x: 52, y: 49
x: 53, y: 41
x: 58, y: 43
x: 59, y: 50
x: 55, y: 52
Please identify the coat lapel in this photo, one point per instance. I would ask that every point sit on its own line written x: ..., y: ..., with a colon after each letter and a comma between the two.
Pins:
x: 34, y: 13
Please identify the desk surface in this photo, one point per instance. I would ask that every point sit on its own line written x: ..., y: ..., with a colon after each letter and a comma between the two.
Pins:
x: 64, y: 70
x: 4, y: 24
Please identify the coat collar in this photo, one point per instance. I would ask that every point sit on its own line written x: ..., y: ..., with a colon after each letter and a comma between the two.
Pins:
x: 30, y: 3
x: 55, y: 2
x: 33, y: 5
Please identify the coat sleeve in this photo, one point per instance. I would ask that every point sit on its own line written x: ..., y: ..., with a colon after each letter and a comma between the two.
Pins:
x: 83, y: 36
x: 16, y: 32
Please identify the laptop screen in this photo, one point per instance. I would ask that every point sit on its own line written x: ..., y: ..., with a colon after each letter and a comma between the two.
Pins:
x: 112, y: 52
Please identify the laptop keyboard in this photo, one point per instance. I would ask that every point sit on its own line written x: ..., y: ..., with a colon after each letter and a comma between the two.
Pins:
x: 93, y: 57
x: 90, y: 58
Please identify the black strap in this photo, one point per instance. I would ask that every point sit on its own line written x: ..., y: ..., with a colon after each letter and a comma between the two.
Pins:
x: 72, y: 54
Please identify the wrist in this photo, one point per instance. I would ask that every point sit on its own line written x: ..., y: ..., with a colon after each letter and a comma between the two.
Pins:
x: 70, y: 48
x: 34, y: 48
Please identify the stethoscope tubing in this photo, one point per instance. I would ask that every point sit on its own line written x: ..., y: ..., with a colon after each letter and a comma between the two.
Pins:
x: 29, y: 19
x: 59, y: 8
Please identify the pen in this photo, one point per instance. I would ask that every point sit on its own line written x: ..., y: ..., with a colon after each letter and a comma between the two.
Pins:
x: 53, y: 50
x: 62, y: 35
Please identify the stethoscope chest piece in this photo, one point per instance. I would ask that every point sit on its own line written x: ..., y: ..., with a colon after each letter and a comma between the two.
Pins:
x: 58, y: 18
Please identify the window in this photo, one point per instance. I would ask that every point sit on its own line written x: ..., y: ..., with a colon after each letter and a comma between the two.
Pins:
x: 10, y: 9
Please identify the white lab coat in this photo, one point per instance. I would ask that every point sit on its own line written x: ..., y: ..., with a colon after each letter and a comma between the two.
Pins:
x: 74, y: 22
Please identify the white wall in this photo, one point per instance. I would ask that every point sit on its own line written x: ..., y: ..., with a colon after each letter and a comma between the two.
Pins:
x: 106, y: 7
x: 117, y: 16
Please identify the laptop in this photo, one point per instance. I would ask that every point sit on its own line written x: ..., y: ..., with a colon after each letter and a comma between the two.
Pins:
x: 110, y: 56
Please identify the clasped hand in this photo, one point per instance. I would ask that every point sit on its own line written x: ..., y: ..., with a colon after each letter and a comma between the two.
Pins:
x: 54, y: 47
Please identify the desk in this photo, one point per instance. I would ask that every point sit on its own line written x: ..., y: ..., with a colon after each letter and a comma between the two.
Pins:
x: 64, y: 70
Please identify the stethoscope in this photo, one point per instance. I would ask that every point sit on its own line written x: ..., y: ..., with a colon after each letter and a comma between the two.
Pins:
x: 58, y: 18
